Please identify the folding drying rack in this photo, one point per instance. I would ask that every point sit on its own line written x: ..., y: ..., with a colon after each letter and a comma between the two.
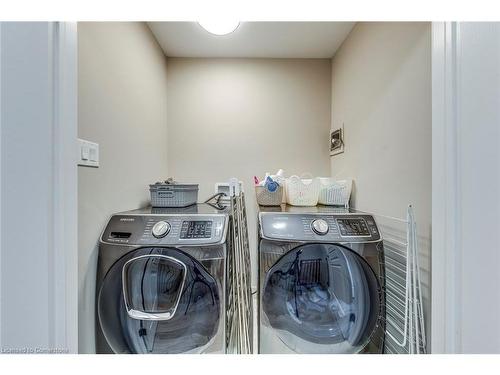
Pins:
x: 405, y: 329
x: 240, y: 312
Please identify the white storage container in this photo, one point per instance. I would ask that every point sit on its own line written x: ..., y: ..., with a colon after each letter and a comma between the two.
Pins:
x: 334, y: 192
x: 265, y: 197
x: 302, y: 191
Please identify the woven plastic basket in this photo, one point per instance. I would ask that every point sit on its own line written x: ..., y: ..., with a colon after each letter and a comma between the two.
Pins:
x: 265, y: 197
x: 173, y: 195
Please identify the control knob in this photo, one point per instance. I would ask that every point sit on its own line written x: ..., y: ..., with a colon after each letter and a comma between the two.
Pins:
x: 161, y: 229
x: 320, y: 226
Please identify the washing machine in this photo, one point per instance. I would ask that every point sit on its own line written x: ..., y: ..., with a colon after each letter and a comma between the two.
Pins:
x: 161, y: 281
x: 321, y: 281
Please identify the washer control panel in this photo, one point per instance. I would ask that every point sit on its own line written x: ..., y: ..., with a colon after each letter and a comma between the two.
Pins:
x: 353, y: 227
x: 318, y: 227
x: 166, y: 230
x: 196, y: 229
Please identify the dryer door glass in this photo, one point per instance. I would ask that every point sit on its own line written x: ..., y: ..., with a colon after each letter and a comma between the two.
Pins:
x: 159, y: 300
x: 157, y: 296
x: 321, y: 298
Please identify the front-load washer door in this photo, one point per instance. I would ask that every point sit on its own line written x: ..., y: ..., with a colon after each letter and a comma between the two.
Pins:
x: 321, y: 298
x: 159, y: 300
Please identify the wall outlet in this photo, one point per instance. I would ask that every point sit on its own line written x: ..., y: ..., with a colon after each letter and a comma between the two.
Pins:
x: 88, y: 153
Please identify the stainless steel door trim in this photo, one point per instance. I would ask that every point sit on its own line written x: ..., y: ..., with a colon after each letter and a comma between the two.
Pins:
x: 377, y: 335
x: 141, y: 315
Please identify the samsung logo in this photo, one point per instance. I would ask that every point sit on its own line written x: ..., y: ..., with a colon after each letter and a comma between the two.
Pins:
x: 127, y: 219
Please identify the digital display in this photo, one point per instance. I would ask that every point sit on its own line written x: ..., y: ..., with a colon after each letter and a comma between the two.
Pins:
x: 196, y: 229
x: 353, y: 227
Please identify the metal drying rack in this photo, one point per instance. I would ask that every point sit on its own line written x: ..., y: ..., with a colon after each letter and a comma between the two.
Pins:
x: 239, y: 328
x: 405, y: 328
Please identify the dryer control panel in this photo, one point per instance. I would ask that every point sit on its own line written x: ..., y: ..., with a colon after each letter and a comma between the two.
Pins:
x: 318, y: 227
x: 179, y: 230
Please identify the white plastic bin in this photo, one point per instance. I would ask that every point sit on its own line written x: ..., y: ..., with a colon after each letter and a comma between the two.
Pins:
x: 302, y: 191
x: 334, y: 192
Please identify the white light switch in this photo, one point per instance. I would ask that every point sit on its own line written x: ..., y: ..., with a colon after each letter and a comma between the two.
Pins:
x: 94, y: 154
x: 88, y: 153
x: 85, y: 152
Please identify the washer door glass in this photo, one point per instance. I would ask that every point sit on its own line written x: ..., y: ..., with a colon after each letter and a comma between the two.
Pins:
x: 321, y: 298
x: 158, y: 300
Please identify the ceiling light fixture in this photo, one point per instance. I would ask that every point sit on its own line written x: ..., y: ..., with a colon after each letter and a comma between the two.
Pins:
x: 219, y: 27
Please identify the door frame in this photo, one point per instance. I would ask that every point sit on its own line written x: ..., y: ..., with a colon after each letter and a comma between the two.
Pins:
x: 66, y: 186
x: 446, y: 261
x: 465, y: 181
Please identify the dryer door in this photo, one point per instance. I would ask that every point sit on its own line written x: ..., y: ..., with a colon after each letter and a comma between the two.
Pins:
x: 321, y: 298
x: 158, y: 300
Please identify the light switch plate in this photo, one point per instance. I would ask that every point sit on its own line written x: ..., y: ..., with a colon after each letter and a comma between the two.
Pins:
x: 88, y: 153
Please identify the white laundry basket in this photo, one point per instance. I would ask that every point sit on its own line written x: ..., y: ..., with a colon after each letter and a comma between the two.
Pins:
x: 334, y: 192
x: 302, y: 191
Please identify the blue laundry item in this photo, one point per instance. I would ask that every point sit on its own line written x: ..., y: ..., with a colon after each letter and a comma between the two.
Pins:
x: 271, y: 185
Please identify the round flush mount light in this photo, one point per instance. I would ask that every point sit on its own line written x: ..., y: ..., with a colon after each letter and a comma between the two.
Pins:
x: 219, y: 27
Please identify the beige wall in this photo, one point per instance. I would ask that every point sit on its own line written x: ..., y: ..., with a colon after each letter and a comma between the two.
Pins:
x: 243, y: 117
x: 122, y: 106
x: 381, y: 92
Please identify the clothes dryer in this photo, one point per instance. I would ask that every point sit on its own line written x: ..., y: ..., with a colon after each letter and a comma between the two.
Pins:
x: 321, y: 281
x: 161, y: 281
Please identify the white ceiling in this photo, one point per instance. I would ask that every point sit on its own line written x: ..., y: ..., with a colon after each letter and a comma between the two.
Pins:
x: 253, y: 39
